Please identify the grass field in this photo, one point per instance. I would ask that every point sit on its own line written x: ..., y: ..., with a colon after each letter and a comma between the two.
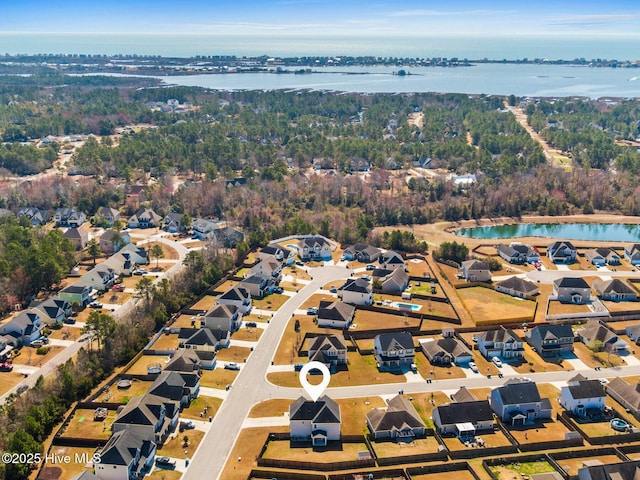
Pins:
x: 197, y: 406
x: 175, y: 447
x: 393, y: 449
x: 217, y: 378
x: 270, y: 408
x: 28, y: 356
x: 248, y: 334
x: 233, y: 354
x: 520, y: 470
x: 334, y: 452
x: 205, y: 303
x: 116, y: 394
x: 246, y: 450
x: 486, y: 304
x: 557, y: 308
x: 68, y: 470
x: 539, y: 432
x: 572, y: 465
x: 491, y: 440
x: 82, y: 425
x: 270, y: 302
x: 365, y: 320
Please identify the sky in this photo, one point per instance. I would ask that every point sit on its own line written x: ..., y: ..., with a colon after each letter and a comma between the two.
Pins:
x: 614, y: 18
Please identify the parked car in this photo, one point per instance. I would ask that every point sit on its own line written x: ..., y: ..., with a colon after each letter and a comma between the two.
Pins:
x: 140, y: 271
x: 232, y: 366
x: 366, y: 277
x: 334, y: 290
x: 371, y: 267
x: 473, y: 367
x: 6, y: 367
x: 165, y: 462
x: 251, y: 324
x: 37, y: 343
x: 187, y: 424
x: 69, y: 320
x: 118, y: 288
x: 497, y: 362
x: 95, y: 305
x: 312, y: 311
x: 278, y: 290
x: 297, y: 367
x: 300, y: 264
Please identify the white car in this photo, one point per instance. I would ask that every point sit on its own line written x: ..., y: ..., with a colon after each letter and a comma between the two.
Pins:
x: 497, y: 362
x: 473, y: 367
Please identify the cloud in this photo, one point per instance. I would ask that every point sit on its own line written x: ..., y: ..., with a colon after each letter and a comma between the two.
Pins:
x: 442, y: 13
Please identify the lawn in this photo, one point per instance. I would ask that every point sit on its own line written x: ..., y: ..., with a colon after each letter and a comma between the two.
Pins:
x: 425, y: 289
x: 270, y: 408
x: 165, y: 474
x: 487, y: 305
x: 286, y: 353
x: 270, y: 302
x: 245, y: 451
x: 233, y: 354
x: 118, y: 298
x: 438, y: 373
x: 361, y: 370
x: 140, y: 367
x: 491, y: 439
x: 558, y: 308
x: 28, y: 356
x: 314, y: 300
x: 118, y: 395
x: 366, y: 320
x: 9, y: 380
x: 595, y: 359
x: 74, y: 467
x: 166, y: 342
x: 205, y: 303
x: 535, y: 363
x: 334, y: 452
x: 621, y: 306
x: 197, y: 405
x: 248, y: 334
x: 184, y: 321
x: 428, y: 307
x: 424, y: 404
x: 547, y: 431
x: 459, y: 474
x: 217, y: 378
x: 419, y: 446
x: 572, y: 465
x: 295, y: 272
x: 67, y: 332
x: 170, y: 253
x: 599, y: 429
x: 227, y: 285
x: 82, y: 425
x: 174, y: 446
x: 517, y: 470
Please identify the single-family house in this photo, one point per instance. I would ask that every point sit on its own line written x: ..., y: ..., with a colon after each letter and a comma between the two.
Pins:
x: 53, y: 311
x: 502, y: 343
x: 179, y: 386
x: 475, y: 271
x: 391, y: 260
x: 137, y: 193
x: 602, y: 256
x: 236, y: 182
x: 110, y: 215
x: 632, y: 253
x: 615, y: 290
x: 68, y: 217
x: 203, y: 339
x: 580, y: 396
x: 34, y: 215
x: 238, y: 296
x: 629, y: 470
x: 112, y: 241
x: 551, y: 340
x: 318, y: 422
x: 572, y: 290
x: 204, y: 229
x: 356, y: 291
x: 446, y: 351
x: 85, y: 475
x: 562, y: 252
x: 597, y: 335
x: 394, y: 350
x: 144, y: 218
x: 463, y: 395
x: 518, y: 287
x: 258, y: 285
x: 269, y: 267
x: 282, y: 254
x: 335, y: 314
x: 399, y: 420
x: 518, y: 402
x: 633, y: 332
x: 100, y: 277
x: 314, y: 248
x: 463, y: 419
x: 518, y: 253
x: 362, y: 252
x: 127, y: 455
x: 172, y: 222
x: 228, y: 237
x: 138, y: 255
x: 393, y: 281
x: 22, y: 329
x: 152, y: 417
x: 223, y: 317
x: 78, y: 236
x: 77, y: 292
x: 625, y: 394
x: 328, y: 349
x: 184, y: 360
x: 121, y: 264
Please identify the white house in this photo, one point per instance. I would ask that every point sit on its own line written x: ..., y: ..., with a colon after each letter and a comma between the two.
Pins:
x: 100, y: 277
x: 151, y: 416
x: 314, y: 248
x: 144, y: 218
x: 356, y: 291
x: 126, y: 456
x: 580, y: 395
x: 223, y: 317
x: 393, y: 351
x: 23, y: 329
x: 317, y: 422
x: 335, y: 315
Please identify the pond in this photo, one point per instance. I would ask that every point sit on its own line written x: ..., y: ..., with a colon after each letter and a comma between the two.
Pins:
x: 611, y: 232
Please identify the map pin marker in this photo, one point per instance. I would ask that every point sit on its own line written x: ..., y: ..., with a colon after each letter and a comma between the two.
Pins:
x: 315, y: 391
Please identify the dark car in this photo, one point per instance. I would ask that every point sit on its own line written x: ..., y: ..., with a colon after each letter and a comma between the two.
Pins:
x: 251, y: 324
x: 6, y: 367
x: 69, y: 321
x: 165, y: 462
x: 278, y: 290
x: 297, y: 367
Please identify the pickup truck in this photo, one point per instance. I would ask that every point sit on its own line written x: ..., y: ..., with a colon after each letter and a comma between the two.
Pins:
x: 165, y: 462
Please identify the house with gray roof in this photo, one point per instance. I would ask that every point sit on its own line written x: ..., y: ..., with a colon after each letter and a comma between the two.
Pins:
x: 173, y: 222
x: 446, y: 351
x: 78, y: 236
x: 393, y: 281
x: 475, y: 271
x: 551, y: 340
x: 138, y: 255
x: 572, y: 290
x: 238, y: 296
x: 128, y: 455
x: 53, y: 310
x: 626, y: 394
x: 518, y: 253
x: 203, y: 339
x: 394, y: 351
x: 518, y: 402
x: 268, y: 266
x: 316, y: 422
x: 284, y: 255
x: 184, y: 360
x: 518, y: 287
x: 109, y: 214
x: 463, y: 419
x: 562, y: 252
x: 68, y: 217
x: 391, y: 260
x: 314, y: 247
x: 144, y: 218
x: 151, y: 416
x: 629, y: 470
x: 399, y: 420
x: 335, y: 314
x: 633, y: 332
x: 100, y: 277
x: 22, y: 329
x: 632, y: 253
x: 223, y: 317
x: 34, y: 215
x: 501, y: 342
x: 595, y: 332
x: 602, y: 256
x: 204, y: 228
x: 112, y: 240
x: 356, y: 291
x: 362, y: 252
x: 258, y: 285
x: 580, y: 396
x: 228, y: 237
x: 615, y: 290
x: 330, y: 350
x: 179, y: 386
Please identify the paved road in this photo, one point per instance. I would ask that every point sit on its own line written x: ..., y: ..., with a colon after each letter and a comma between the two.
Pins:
x: 251, y: 387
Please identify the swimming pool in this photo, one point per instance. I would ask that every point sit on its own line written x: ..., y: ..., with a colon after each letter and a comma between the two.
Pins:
x: 407, y: 306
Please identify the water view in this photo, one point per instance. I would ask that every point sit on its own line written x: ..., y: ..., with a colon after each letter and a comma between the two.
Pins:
x: 610, y: 232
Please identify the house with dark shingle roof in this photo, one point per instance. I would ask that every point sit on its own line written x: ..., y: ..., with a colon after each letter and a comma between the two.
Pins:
x: 335, y: 314
x: 144, y: 218
x: 184, y: 360
x: 572, y: 290
x: 53, y: 310
x: 463, y: 395
x: 223, y: 317
x: 518, y: 402
x: 314, y: 248
x: 179, y: 386
x: 595, y: 331
x: 602, y: 256
x: 626, y: 395
x: 399, y: 420
x: 362, y: 252
x: 502, y: 342
x: 394, y: 351
x: 518, y: 253
x: 109, y: 214
x: 112, y: 241
x: 475, y: 271
x: 151, y: 416
x: 328, y: 349
x: 581, y: 395
x: 356, y: 291
x: 562, y: 252
x: 318, y: 422
x: 632, y: 253
x: 629, y: 470
x: 393, y: 281
x: 551, y: 340
x: 34, y: 215
x: 463, y: 419
x: 238, y: 296
x: 518, y: 287
x: 615, y: 290
x: 203, y: 339
x: 258, y: 285
x: 77, y: 292
x: 446, y: 351
x: 391, y: 260
x: 78, y: 236
x: 128, y: 455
